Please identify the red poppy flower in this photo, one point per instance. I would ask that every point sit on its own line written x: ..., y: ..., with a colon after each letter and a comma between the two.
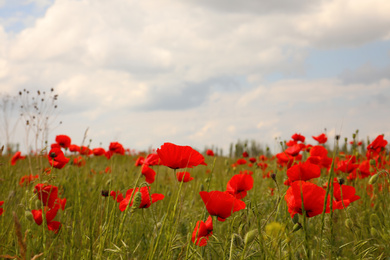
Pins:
x: 177, y: 157
x: 145, y: 201
x: 221, y: 204
x: 50, y: 214
x: 17, y: 156
x: 241, y: 161
x: 26, y: 179
x: 63, y: 140
x: 1, y: 209
x: 319, y: 156
x: 252, y: 159
x: 98, y: 151
x: 313, y: 199
x: 295, y: 149
x: 47, y: 194
x: 108, y: 169
x: 202, y: 232
x: 74, y: 148
x: 210, y: 152
x: 285, y: 159
x: 298, y: 137
x: 347, y: 166
x: 343, y: 194
x: 149, y: 173
x: 291, y: 143
x: 184, y: 176
x: 377, y: 145
x: 245, y: 154
x: 57, y: 158
x: 239, y: 184
x: 55, y: 145
x: 321, y: 139
x: 79, y: 161
x: 140, y: 160
x: 303, y: 171
x: 116, y: 147
x: 116, y: 196
x: 84, y: 150
x: 152, y: 159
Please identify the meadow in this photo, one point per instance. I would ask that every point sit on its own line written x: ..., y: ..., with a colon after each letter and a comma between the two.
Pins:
x: 315, y: 199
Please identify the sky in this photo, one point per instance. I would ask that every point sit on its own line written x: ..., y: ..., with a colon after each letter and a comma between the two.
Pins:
x: 201, y: 73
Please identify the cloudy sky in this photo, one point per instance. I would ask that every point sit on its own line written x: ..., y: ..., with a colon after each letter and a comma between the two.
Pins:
x: 200, y: 72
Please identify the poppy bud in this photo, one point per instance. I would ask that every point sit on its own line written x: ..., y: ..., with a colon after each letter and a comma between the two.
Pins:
x: 353, y: 136
x: 373, y: 179
x: 250, y: 236
x: 372, y: 162
x: 105, y: 193
x: 348, y: 223
x: 297, y: 227
x: 137, y: 200
x: 237, y: 240
x: 374, y: 220
x: 337, y: 137
x: 273, y: 176
x: 38, y: 204
x: 29, y: 215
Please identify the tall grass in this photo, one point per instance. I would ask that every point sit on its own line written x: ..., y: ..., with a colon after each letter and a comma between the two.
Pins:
x: 93, y: 227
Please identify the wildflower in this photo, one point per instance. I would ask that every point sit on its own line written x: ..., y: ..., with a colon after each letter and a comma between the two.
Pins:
x: 74, y: 148
x: 1, y: 209
x: 221, y: 204
x: 140, y: 161
x: 202, y: 232
x: 84, y: 150
x: 17, y: 156
x: 79, y: 161
x: 149, y: 173
x: 116, y: 196
x: 239, y: 184
x: 26, y: 179
x: 184, y: 176
x: 319, y: 156
x: 344, y: 194
x: 50, y: 214
x: 116, y: 147
x: 57, y: 158
x: 376, y: 146
x: 298, y: 137
x: 245, y: 154
x: 210, y: 152
x: 321, y: 139
x: 98, y: 151
x: 313, y: 199
x: 176, y: 156
x: 145, y: 202
x: 152, y: 159
x: 47, y: 194
x: 303, y: 171
x: 63, y: 140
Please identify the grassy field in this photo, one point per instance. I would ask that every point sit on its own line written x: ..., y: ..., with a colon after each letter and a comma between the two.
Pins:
x: 93, y: 226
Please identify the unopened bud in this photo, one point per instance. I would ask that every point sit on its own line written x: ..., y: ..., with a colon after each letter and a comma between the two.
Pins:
x: 374, y: 220
x: 105, y: 193
x: 273, y: 176
x: 29, y: 215
x: 348, y: 223
x: 372, y: 162
x: 137, y: 200
x: 297, y: 227
x: 250, y: 236
x: 373, y: 179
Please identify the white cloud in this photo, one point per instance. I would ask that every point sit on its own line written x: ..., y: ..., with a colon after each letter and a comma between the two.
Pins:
x: 194, y: 72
